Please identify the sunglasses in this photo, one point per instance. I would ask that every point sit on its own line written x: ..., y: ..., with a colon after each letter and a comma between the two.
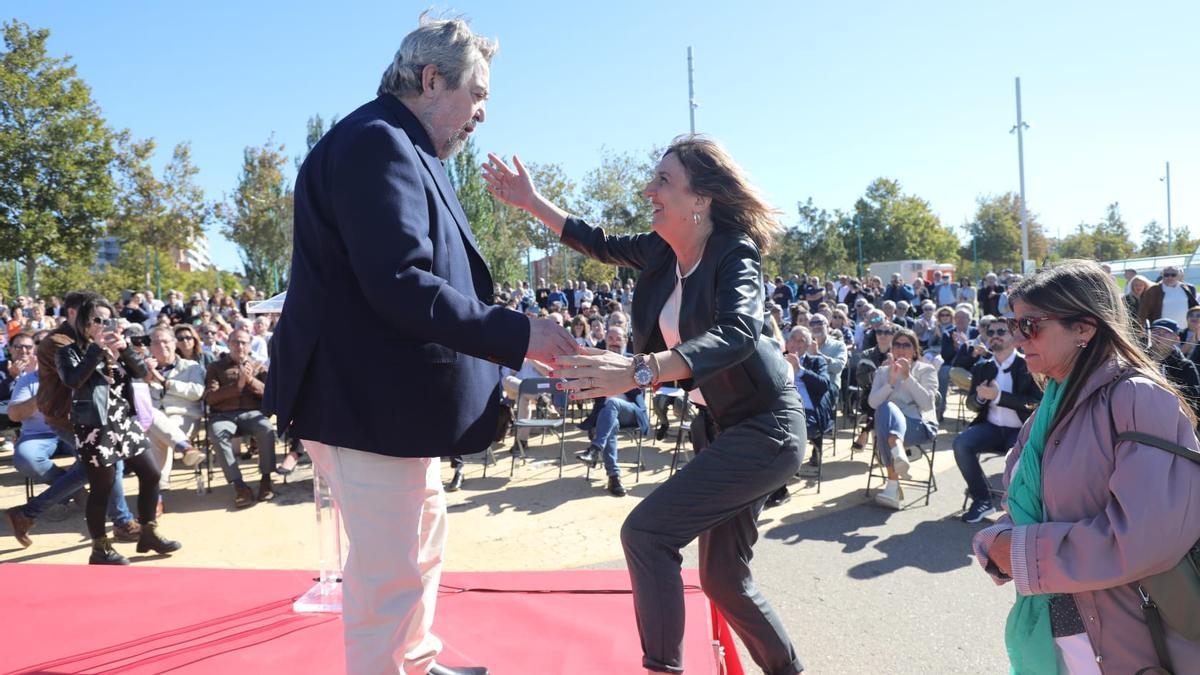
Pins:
x: 902, y: 345
x: 1170, y: 274
x: 885, y: 331
x: 1028, y: 326
x: 993, y: 332
x: 185, y: 338
x: 1193, y: 316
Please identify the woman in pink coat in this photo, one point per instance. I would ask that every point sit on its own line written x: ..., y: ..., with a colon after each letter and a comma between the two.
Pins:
x: 1091, y: 518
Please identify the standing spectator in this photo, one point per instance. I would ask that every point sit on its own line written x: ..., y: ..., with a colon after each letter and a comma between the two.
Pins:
x: 1168, y: 299
x: 989, y: 295
x: 967, y: 293
x: 897, y: 290
x: 783, y: 295
x: 945, y: 291
x: 921, y: 292
x: 1088, y: 515
x: 97, y: 367
x: 556, y: 295
x: 54, y: 403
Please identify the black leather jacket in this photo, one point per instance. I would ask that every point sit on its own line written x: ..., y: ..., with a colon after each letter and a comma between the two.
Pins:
x: 720, y: 317
x: 82, y: 372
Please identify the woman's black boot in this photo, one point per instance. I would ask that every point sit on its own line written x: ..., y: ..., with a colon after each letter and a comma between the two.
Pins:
x: 103, y: 553
x: 151, y: 541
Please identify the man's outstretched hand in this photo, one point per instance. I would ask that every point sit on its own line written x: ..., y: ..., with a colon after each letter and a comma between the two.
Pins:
x: 547, y: 340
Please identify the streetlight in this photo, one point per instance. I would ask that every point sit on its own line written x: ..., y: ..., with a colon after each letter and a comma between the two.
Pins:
x: 1170, y: 237
x: 1019, y: 130
x: 858, y: 232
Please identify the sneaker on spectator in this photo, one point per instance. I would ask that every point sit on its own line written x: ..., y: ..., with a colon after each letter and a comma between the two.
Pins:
x: 978, y: 511
x: 889, y: 496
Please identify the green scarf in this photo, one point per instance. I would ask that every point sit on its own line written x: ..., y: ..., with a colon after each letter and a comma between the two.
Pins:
x: 1028, y: 637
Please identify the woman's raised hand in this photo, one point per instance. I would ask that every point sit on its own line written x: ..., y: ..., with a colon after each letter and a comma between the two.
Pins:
x: 515, y: 189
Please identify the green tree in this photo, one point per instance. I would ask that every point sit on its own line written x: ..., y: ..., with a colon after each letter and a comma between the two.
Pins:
x: 528, y: 232
x: 995, y: 233
x: 1184, y: 244
x: 1078, y: 244
x: 158, y: 214
x: 1154, y: 240
x: 56, y: 156
x: 611, y: 197
x: 897, y: 226
x: 315, y: 130
x: 813, y: 245
x: 1111, y: 238
x: 258, y: 216
x: 503, y: 248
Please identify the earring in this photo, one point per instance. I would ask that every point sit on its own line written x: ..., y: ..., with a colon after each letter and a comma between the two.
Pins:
x: 696, y: 218
x: 1081, y: 344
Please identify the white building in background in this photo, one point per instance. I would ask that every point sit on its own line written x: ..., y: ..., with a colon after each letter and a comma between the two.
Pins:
x: 195, y: 257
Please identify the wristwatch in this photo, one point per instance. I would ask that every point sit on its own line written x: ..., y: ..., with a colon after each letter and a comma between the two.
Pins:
x: 642, y: 374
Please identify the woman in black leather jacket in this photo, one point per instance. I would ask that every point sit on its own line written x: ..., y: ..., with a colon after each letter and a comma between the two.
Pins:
x: 99, y: 368
x: 697, y: 319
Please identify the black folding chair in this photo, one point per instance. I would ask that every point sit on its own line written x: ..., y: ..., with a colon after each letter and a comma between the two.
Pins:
x: 534, y: 387
x: 878, y: 470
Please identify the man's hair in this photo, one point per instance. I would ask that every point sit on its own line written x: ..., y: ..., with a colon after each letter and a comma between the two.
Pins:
x: 21, y: 336
x: 169, y: 330
x: 447, y: 44
x: 801, y: 330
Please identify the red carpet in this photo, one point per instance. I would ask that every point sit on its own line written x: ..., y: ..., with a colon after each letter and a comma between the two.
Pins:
x: 80, y: 619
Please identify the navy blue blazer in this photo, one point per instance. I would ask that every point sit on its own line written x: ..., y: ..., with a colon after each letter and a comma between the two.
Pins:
x: 387, y: 342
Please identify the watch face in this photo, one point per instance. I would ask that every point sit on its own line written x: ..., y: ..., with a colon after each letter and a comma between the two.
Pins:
x: 642, y: 376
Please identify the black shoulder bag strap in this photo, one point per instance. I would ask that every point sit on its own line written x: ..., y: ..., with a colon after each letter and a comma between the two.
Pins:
x: 1158, y: 632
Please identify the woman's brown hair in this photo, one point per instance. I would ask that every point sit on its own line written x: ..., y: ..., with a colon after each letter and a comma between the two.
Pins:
x: 1081, y: 291
x: 736, y: 203
x: 187, y: 328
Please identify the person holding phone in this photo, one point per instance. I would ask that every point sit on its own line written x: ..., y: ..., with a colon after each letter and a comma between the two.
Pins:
x: 99, y: 367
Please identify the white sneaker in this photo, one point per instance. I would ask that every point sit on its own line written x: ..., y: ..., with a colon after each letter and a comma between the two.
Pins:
x: 889, y: 496
x: 900, y: 462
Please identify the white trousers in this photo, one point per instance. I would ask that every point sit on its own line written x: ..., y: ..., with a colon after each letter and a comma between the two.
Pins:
x: 394, y: 512
x: 166, y: 432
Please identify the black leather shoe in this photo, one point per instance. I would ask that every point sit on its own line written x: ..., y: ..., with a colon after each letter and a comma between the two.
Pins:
x: 456, y: 482
x: 661, y: 432
x: 589, y: 456
x: 438, y: 669
x: 104, y: 554
x: 614, y: 486
x: 778, y: 498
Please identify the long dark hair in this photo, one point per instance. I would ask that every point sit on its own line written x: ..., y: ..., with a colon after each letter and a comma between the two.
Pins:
x: 1082, y: 292
x: 736, y: 203
x: 83, y: 317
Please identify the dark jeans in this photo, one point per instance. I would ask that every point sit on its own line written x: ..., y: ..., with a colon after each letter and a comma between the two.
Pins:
x: 976, y: 439
x: 615, y: 414
x: 717, y: 497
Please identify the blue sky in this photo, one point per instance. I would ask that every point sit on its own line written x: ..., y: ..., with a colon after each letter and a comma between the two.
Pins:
x: 814, y: 99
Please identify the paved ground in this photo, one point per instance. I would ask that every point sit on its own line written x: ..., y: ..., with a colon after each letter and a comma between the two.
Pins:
x: 860, y: 588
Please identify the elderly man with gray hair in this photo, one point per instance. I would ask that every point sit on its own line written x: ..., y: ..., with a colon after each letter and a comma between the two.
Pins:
x: 1170, y: 298
x: 379, y: 229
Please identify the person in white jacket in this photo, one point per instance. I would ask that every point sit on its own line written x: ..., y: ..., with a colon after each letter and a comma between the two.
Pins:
x: 176, y: 388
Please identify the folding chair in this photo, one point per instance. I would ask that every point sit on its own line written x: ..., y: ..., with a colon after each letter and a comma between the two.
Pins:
x: 877, y: 469
x: 818, y: 444
x: 534, y: 387
x: 685, y: 427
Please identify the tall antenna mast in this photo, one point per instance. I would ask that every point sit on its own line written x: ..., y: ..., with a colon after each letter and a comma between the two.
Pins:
x: 691, y: 94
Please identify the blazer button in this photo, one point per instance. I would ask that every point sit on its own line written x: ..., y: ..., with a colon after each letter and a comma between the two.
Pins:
x: 1057, y: 442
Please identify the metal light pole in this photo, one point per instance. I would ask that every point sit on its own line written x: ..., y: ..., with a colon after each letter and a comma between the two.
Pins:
x: 1019, y: 129
x: 858, y: 231
x: 1170, y: 235
x: 692, y: 105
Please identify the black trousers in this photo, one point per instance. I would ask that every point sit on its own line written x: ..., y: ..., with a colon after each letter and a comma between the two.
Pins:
x: 717, y: 497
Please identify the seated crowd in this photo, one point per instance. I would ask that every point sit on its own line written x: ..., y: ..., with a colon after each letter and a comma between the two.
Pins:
x: 165, y: 374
